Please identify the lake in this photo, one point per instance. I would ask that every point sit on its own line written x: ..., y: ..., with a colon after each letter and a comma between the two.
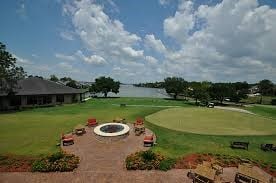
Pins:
x: 133, y: 91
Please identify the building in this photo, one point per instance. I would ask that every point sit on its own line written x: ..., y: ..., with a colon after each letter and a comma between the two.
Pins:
x: 34, y: 91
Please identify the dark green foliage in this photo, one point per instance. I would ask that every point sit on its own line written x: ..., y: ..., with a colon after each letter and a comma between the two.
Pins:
x: 167, y: 164
x: 56, y: 162
x: 105, y: 85
x: 143, y: 160
x: 9, y: 72
x: 72, y: 84
x: 175, y: 86
x: 53, y: 78
x: 273, y: 102
x: 148, y: 155
x: 56, y: 156
x: 266, y: 87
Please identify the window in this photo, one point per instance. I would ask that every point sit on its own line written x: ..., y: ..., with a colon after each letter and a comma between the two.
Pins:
x: 15, y: 101
x: 60, y: 98
x: 31, y: 100
x: 47, y: 99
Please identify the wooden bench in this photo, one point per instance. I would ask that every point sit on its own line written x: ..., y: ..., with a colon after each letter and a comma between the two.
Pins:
x: 122, y: 105
x: 239, y: 145
x: 266, y: 147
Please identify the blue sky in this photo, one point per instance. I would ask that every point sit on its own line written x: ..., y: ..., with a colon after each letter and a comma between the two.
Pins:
x: 143, y: 40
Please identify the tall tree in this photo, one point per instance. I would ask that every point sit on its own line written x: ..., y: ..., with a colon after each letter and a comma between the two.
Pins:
x: 9, y: 72
x: 72, y: 84
x: 199, y: 91
x: 220, y: 91
x: 175, y: 85
x: 266, y: 88
x: 105, y: 85
x: 53, y: 78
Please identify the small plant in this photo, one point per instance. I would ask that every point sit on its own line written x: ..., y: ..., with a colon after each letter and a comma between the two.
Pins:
x: 167, y: 164
x: 143, y: 160
x: 56, y: 162
x: 148, y: 155
x: 56, y: 156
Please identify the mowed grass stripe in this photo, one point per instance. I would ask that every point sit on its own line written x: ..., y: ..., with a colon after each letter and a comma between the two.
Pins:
x: 213, y: 122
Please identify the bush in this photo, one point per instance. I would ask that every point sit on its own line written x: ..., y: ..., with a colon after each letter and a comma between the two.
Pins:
x: 143, y: 160
x: 56, y: 162
x: 148, y: 155
x: 273, y: 102
x: 167, y: 164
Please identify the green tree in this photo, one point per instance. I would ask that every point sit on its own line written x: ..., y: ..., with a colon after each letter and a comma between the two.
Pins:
x: 9, y: 72
x: 53, y: 78
x: 220, y: 91
x: 64, y: 79
x: 175, y: 85
x: 199, y: 91
x: 105, y: 85
x: 238, y: 91
x: 266, y: 88
x: 72, y: 84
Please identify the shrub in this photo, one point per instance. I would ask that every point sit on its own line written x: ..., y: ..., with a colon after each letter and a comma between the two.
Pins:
x: 56, y: 162
x: 148, y: 155
x: 143, y: 160
x: 273, y: 102
x: 167, y: 164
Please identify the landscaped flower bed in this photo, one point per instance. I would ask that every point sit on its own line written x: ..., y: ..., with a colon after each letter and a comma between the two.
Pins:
x: 148, y: 160
x: 56, y: 162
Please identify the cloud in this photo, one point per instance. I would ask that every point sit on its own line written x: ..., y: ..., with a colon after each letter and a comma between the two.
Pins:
x: 65, y: 57
x: 151, y: 60
x: 67, y: 35
x: 181, y: 23
x: 22, y: 61
x: 21, y: 10
x: 93, y: 59
x: 226, y: 42
x: 103, y: 36
x: 155, y: 44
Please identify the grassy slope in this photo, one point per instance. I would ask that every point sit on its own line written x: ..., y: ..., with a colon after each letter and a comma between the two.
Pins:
x: 201, y: 120
x: 263, y: 110
x: 35, y: 132
x: 174, y: 143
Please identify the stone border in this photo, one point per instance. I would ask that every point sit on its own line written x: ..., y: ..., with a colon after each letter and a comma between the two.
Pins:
x: 97, y: 130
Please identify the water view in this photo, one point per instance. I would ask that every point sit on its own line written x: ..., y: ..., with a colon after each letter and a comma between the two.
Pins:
x: 133, y: 91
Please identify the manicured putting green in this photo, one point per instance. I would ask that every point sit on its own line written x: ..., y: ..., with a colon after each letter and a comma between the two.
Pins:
x: 212, y: 121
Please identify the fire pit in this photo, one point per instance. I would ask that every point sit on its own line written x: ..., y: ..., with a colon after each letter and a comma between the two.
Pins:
x: 111, y: 130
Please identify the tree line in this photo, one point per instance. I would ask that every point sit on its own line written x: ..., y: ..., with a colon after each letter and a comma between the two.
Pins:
x: 206, y: 91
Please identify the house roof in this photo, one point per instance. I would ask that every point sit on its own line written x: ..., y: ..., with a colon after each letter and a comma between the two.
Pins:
x: 38, y: 86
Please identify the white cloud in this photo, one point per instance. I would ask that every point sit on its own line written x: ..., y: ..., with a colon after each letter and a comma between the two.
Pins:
x: 22, y: 61
x: 67, y: 35
x: 151, y: 60
x: 65, y: 66
x: 65, y: 57
x: 181, y: 23
x: 133, y: 53
x: 156, y: 44
x: 93, y: 59
x: 233, y: 40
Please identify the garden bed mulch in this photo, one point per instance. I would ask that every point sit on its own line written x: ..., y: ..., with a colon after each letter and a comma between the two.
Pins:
x: 192, y: 160
x: 11, y: 163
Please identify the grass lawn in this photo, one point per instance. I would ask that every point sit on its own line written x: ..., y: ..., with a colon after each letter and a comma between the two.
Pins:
x: 201, y: 120
x: 263, y: 110
x: 35, y: 132
x: 256, y: 99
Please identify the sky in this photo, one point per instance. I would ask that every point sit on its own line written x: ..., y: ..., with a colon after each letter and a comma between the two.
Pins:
x: 143, y: 40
